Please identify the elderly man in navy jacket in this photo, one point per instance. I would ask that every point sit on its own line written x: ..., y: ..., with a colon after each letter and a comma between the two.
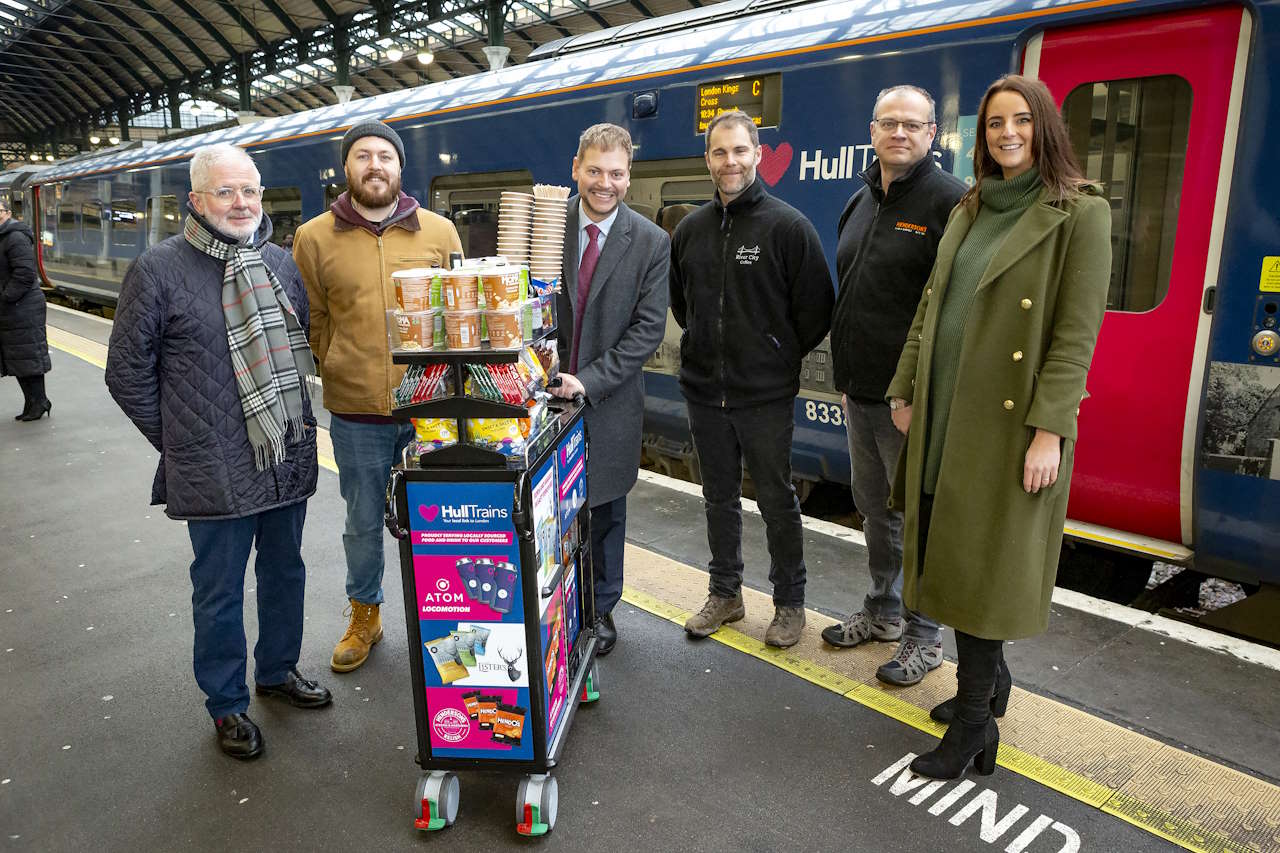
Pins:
x: 615, y: 263
x: 209, y: 359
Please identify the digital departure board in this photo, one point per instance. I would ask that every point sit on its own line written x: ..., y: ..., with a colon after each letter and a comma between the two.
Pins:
x: 759, y: 97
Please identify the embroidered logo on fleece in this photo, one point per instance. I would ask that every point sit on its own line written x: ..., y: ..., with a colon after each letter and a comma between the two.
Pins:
x: 910, y: 228
x: 746, y: 257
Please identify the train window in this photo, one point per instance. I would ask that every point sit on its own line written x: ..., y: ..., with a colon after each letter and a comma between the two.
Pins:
x: 68, y: 227
x: 91, y: 222
x: 164, y: 218
x: 331, y: 193
x: 284, y: 207
x: 471, y: 201
x: 17, y: 205
x: 125, y: 221
x: 1131, y: 136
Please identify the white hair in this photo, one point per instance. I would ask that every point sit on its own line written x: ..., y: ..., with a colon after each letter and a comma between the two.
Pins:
x: 208, y: 157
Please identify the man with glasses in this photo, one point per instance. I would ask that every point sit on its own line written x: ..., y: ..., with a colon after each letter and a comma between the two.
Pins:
x: 347, y: 255
x: 888, y: 237
x: 209, y: 359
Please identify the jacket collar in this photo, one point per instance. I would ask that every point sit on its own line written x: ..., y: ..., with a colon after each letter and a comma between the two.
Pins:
x: 347, y: 217
x: 901, y: 184
x: 749, y: 198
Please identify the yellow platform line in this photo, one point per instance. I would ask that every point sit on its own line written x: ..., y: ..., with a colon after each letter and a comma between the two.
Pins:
x: 1182, y: 798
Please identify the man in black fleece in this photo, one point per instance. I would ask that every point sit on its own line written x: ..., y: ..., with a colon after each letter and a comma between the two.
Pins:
x: 888, y: 237
x: 752, y: 291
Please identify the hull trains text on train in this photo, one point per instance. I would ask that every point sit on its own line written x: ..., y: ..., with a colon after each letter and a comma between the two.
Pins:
x: 1167, y: 105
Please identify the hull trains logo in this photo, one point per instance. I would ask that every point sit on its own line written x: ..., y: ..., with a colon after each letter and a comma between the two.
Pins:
x: 842, y: 164
x: 463, y: 513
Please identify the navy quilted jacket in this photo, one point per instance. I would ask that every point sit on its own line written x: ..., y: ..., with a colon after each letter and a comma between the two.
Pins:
x: 169, y: 369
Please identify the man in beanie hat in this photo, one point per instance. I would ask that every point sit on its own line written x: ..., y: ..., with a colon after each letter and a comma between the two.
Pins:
x: 346, y: 257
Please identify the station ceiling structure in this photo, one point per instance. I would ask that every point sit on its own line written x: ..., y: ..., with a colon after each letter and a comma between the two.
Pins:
x: 70, y: 67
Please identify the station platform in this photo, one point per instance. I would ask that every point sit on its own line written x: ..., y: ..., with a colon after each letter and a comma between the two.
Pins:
x: 1124, y: 733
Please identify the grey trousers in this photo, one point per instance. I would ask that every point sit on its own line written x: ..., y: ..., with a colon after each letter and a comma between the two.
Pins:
x: 874, y: 445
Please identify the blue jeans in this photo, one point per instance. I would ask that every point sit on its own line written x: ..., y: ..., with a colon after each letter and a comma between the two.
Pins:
x: 760, y: 436
x: 608, y: 541
x: 217, y: 602
x: 365, y: 454
x: 874, y: 445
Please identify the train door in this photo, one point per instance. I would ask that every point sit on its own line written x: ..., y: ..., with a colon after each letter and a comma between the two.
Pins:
x: 1152, y: 104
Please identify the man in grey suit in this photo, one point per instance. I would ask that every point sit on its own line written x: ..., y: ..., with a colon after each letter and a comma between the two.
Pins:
x: 612, y: 316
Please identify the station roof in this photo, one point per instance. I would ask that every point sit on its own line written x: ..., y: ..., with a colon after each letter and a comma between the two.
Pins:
x: 67, y: 66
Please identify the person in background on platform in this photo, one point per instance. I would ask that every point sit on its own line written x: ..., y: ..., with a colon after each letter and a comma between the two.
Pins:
x: 752, y: 291
x: 613, y: 313
x: 346, y: 256
x: 887, y: 239
x: 988, y: 390
x: 24, y: 351
x: 209, y: 359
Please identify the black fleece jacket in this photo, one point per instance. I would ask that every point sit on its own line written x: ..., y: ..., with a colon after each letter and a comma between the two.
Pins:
x: 752, y: 291
x: 885, y: 253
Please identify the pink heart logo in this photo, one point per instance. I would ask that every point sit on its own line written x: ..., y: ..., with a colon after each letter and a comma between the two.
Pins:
x: 774, y: 162
x: 429, y: 512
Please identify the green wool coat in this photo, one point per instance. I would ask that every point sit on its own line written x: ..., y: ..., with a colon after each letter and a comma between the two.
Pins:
x: 992, y: 551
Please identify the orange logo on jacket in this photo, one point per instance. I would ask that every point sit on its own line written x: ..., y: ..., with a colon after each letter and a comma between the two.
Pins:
x: 910, y: 228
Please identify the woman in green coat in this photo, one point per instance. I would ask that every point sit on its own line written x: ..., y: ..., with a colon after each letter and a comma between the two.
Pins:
x: 988, y: 389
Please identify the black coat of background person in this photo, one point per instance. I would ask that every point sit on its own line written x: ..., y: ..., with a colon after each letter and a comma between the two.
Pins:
x: 24, y: 351
x: 623, y: 324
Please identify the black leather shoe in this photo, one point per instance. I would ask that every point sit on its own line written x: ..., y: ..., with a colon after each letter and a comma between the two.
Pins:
x: 606, y: 635
x: 239, y: 736
x: 300, y: 692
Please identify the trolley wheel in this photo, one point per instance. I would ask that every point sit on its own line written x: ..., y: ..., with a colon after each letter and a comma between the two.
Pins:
x: 435, y: 805
x: 537, y: 800
x: 591, y: 685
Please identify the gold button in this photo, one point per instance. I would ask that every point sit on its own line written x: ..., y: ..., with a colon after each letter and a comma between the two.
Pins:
x: 1017, y: 356
x: 1026, y: 304
x: 928, y: 291
x: 1008, y: 405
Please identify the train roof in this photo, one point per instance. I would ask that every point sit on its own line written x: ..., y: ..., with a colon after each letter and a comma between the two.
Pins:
x: 709, y: 37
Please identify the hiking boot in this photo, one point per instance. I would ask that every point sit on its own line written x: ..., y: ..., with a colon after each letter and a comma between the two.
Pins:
x: 910, y: 663
x: 861, y: 627
x: 785, y: 628
x: 716, y: 612
x: 364, y: 630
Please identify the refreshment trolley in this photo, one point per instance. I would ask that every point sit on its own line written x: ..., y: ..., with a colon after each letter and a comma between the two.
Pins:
x: 495, y: 558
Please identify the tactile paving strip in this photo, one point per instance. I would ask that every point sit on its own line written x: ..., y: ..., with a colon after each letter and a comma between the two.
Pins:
x: 1181, y: 797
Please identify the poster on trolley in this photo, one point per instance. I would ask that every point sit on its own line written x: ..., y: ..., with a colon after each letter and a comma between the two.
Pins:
x: 467, y: 592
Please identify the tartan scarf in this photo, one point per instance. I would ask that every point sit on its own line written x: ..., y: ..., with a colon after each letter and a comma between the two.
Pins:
x: 269, y: 350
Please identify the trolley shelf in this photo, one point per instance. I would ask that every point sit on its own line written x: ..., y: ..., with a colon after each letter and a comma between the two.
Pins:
x: 461, y: 407
x: 457, y: 357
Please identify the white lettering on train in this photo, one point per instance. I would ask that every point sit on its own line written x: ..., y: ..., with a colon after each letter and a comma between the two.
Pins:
x: 991, y: 826
x: 846, y: 164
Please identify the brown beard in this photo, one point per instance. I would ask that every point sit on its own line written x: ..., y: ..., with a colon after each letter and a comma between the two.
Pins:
x: 365, y: 198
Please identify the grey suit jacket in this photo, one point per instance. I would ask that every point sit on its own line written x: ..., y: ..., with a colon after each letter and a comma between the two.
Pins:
x: 622, y: 325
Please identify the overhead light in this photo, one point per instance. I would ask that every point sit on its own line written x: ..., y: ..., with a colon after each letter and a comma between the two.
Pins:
x: 94, y: 140
x: 114, y: 140
x: 194, y: 109
x: 394, y: 54
x: 425, y: 57
x: 49, y: 157
x: 35, y: 158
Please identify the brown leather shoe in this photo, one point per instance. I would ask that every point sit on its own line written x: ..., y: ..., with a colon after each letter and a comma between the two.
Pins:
x: 363, y: 631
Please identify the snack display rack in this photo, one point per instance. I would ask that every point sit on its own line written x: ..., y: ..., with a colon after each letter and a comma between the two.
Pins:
x: 495, y: 558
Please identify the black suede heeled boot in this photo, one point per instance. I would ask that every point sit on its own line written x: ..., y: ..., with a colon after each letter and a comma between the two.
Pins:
x: 945, y: 712
x: 973, y: 733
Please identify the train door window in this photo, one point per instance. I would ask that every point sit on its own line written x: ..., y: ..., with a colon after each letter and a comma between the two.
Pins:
x: 17, y: 205
x: 471, y: 202
x: 125, y: 222
x: 91, y: 222
x: 331, y: 193
x: 1131, y: 137
x: 284, y: 207
x: 68, y: 227
x: 164, y: 218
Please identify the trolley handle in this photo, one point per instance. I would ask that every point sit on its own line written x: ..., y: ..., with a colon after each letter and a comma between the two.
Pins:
x: 389, y: 516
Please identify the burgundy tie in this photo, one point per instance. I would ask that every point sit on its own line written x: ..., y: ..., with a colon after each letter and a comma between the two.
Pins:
x: 586, y: 268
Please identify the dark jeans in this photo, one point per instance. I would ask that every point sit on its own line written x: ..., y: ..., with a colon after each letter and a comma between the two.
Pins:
x: 217, y: 602
x: 760, y: 436
x: 608, y: 539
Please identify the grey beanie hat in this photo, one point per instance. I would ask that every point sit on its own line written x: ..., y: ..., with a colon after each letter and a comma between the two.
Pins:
x: 372, y: 127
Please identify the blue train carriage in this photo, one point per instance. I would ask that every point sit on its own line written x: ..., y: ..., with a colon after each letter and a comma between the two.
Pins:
x: 1178, y: 441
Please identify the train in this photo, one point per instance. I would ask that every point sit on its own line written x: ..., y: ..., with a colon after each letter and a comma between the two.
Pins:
x: 1168, y: 105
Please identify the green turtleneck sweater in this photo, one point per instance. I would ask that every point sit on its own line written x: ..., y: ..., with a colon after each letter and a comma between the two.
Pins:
x: 1002, y: 203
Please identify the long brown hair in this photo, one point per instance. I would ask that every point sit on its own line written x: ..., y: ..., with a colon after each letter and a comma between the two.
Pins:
x: 1050, y: 143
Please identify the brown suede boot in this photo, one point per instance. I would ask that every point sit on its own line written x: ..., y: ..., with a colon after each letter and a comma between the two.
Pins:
x: 364, y: 630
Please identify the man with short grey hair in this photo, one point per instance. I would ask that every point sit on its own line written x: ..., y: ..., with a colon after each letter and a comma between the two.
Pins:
x: 209, y: 359
x: 887, y: 240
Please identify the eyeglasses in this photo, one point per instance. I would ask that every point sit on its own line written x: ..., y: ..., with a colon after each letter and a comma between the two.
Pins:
x: 225, y: 194
x: 890, y: 125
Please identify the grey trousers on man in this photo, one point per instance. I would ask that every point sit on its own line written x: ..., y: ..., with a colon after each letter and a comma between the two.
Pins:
x: 874, y: 445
